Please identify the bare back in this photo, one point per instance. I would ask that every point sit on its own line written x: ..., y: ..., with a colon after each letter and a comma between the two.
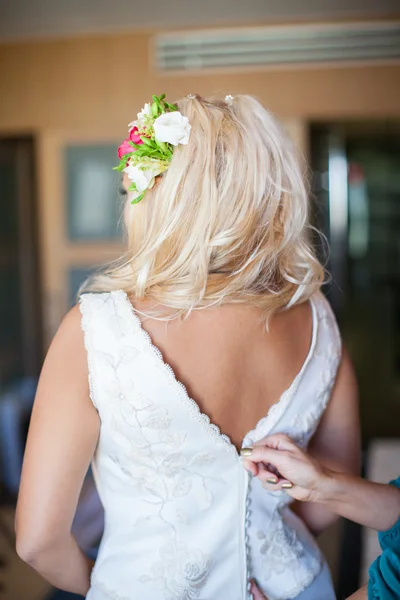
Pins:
x: 230, y: 364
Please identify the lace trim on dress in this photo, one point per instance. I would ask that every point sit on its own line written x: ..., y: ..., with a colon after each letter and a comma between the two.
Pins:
x: 204, y: 419
x: 84, y: 309
x: 105, y: 591
x: 312, y: 574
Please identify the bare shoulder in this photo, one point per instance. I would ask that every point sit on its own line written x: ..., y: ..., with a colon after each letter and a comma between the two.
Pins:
x: 70, y: 329
x: 72, y: 321
x: 67, y: 353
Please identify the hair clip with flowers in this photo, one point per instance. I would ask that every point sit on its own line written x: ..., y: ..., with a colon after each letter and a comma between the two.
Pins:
x: 148, y: 150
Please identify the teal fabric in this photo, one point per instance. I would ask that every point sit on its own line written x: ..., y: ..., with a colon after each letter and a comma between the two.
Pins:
x: 384, y: 573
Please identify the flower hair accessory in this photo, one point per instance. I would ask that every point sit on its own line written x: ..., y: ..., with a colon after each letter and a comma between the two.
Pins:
x: 148, y: 150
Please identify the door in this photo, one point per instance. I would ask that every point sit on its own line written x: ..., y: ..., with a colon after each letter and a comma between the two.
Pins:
x: 20, y: 315
x: 356, y: 183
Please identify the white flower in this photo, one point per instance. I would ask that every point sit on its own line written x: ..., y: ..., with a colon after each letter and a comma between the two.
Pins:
x: 172, y: 128
x: 140, y: 178
x: 145, y: 112
x: 143, y: 115
x: 143, y: 175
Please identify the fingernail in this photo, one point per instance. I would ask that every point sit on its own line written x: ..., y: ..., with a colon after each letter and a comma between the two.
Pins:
x: 246, y: 451
x: 266, y: 486
x: 272, y: 480
x: 287, y: 486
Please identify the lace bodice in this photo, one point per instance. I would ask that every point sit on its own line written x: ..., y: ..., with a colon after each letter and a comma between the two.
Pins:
x: 175, y: 528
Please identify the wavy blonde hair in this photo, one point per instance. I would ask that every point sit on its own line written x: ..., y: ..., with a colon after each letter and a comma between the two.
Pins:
x: 228, y: 221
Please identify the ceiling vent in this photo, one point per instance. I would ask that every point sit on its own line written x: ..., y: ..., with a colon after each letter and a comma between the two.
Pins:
x: 277, y: 46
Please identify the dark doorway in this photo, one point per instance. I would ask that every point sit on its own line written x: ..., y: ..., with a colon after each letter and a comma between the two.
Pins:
x: 356, y: 188
x: 356, y: 167
x: 21, y: 350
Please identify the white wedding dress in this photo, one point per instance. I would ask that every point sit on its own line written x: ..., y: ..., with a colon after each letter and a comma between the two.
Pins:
x: 183, y: 519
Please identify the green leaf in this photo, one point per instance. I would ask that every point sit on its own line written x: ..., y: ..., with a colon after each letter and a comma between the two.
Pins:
x: 170, y: 107
x: 136, y: 146
x: 138, y: 199
x: 157, y: 100
x: 148, y: 142
x: 154, y: 109
x: 163, y: 147
x: 122, y: 163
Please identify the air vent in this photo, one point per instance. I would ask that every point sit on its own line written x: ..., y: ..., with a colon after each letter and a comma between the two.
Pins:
x: 277, y: 45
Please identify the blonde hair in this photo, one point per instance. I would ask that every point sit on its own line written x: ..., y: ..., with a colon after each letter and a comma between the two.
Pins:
x: 228, y: 221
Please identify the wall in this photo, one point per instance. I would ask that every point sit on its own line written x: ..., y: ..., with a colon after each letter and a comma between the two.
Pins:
x: 88, y: 82
x: 87, y: 89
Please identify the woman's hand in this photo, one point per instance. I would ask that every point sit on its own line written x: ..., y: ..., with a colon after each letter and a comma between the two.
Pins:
x: 280, y: 464
x: 257, y: 595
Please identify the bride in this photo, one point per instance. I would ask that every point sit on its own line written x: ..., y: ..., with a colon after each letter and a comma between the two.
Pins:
x: 207, y: 335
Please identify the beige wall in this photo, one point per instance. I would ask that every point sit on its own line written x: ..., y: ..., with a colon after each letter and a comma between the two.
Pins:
x: 100, y: 81
x: 90, y: 88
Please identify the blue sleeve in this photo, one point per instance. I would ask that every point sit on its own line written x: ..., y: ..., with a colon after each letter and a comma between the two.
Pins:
x: 390, y: 539
x: 384, y: 573
x: 384, y: 577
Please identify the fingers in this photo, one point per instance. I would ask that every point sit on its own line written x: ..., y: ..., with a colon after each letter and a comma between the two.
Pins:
x: 273, y: 460
x: 251, y: 467
x: 278, y: 441
x: 257, y: 595
x: 270, y: 480
x: 280, y: 485
x: 259, y: 454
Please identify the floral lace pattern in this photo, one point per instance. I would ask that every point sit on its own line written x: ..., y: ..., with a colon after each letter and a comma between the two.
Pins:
x: 282, y: 551
x: 161, y: 479
x: 155, y: 465
x: 280, y: 546
x: 165, y: 470
x: 180, y: 573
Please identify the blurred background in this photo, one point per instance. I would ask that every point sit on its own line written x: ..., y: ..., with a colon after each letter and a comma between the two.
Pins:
x: 73, y: 74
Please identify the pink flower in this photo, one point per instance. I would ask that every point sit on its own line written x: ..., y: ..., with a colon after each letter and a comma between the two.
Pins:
x: 125, y: 147
x: 134, y: 136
